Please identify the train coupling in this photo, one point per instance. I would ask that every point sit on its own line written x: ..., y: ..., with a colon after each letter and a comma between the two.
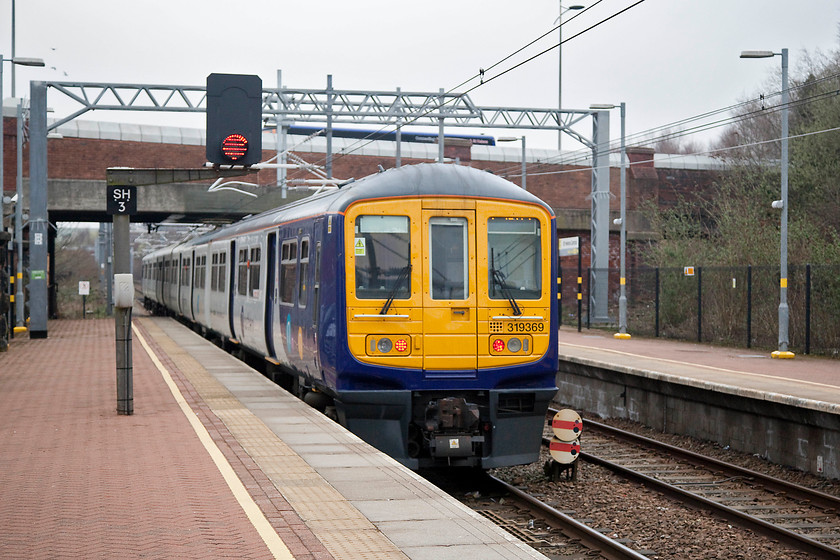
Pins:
x: 453, y: 426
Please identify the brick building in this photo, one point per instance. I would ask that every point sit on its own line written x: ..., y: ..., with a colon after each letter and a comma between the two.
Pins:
x: 81, y: 151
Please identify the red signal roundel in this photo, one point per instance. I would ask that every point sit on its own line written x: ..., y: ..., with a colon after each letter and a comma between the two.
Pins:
x: 234, y: 146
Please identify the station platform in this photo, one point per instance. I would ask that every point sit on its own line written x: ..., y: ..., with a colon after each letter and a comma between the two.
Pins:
x: 785, y: 410
x: 215, y: 462
x: 807, y: 381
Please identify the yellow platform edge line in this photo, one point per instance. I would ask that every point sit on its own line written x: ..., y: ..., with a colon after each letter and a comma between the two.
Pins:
x: 255, y: 515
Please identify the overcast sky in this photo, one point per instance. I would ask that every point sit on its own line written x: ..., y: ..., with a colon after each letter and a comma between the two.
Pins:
x: 667, y: 59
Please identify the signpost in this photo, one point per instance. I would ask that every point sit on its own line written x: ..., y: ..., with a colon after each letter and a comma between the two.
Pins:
x: 570, y: 246
x: 84, y: 291
x: 121, y: 203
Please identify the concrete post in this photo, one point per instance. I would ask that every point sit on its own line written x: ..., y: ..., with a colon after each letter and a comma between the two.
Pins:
x: 122, y: 315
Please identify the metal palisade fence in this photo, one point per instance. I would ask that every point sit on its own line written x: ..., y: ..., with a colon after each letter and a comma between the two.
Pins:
x: 732, y: 306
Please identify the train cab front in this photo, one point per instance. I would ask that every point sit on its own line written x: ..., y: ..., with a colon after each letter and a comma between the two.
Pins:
x: 448, y: 320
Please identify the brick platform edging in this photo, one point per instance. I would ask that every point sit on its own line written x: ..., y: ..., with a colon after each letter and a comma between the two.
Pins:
x: 280, y: 514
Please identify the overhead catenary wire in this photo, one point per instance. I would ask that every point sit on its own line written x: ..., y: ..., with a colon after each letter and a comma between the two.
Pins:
x: 582, y: 157
x: 409, y: 119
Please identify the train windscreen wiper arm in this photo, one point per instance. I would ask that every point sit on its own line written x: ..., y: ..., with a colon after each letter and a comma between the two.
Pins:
x: 403, y: 274
x: 499, y: 278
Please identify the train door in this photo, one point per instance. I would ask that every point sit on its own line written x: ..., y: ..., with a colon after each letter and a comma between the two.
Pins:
x: 192, y: 281
x: 270, y: 291
x: 316, y: 301
x: 231, y: 288
x: 450, y: 325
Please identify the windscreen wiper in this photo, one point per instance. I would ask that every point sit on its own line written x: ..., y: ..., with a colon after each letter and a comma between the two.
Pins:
x: 403, y: 275
x: 499, y: 278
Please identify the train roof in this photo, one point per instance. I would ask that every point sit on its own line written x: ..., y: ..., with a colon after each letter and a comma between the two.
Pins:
x: 425, y: 179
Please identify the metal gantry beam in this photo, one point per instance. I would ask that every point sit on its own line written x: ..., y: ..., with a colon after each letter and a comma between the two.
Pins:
x: 380, y: 108
x: 313, y: 105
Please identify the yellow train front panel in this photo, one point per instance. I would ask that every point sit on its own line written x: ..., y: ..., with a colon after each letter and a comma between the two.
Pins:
x: 446, y: 283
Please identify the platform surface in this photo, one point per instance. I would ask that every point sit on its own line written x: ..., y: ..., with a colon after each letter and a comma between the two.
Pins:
x: 215, y: 462
x: 807, y: 381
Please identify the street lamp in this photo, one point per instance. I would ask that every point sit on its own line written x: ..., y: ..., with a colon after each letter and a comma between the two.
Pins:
x: 621, y: 221
x: 20, y: 61
x: 784, y: 311
x: 522, y: 139
x: 559, y: 23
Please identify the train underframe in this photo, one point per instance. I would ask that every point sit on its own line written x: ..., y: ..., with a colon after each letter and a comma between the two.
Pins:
x: 426, y: 429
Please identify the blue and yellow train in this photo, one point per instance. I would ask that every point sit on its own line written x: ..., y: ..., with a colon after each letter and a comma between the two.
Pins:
x: 417, y: 302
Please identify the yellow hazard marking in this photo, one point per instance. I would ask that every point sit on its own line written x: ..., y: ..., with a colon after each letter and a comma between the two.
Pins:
x: 255, y: 515
x: 783, y: 283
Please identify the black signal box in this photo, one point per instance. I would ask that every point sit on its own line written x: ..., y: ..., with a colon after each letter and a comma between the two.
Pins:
x: 234, y: 119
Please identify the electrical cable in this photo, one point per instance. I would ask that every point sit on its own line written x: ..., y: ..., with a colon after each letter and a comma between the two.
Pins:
x: 366, y: 141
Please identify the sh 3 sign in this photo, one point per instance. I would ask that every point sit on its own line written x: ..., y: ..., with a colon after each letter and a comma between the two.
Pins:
x: 122, y: 200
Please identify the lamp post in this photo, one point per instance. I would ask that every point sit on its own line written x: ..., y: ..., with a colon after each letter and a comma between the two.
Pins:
x: 20, y: 61
x: 559, y: 22
x: 622, y: 222
x: 524, y: 161
x: 784, y: 311
x: 20, y: 312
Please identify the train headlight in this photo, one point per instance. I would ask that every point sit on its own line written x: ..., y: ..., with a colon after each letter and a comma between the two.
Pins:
x: 501, y: 345
x: 391, y: 345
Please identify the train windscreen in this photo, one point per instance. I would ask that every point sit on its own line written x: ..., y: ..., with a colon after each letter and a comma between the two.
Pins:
x: 515, y: 258
x: 382, y: 248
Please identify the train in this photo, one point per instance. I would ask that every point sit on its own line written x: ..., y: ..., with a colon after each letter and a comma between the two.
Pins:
x: 415, y: 304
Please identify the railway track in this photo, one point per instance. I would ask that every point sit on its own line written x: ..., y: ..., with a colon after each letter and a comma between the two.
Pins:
x: 536, y: 523
x: 802, y: 518
x: 577, y: 533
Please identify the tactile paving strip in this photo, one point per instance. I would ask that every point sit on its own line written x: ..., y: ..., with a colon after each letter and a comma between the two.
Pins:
x: 336, y: 523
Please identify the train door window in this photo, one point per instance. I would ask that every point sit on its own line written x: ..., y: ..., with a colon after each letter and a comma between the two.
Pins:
x: 382, y: 248
x: 514, y: 248
x: 214, y: 272
x: 254, y: 272
x: 303, y: 276
x: 288, y: 270
x: 220, y: 282
x: 449, y: 258
x: 185, y: 272
x: 242, y: 273
x: 197, y: 273
x: 202, y: 279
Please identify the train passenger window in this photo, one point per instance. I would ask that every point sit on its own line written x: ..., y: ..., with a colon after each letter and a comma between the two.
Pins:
x: 304, y: 269
x: 242, y: 276
x: 515, y: 258
x: 288, y: 269
x: 382, y: 247
x: 448, y: 262
x: 254, y: 273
